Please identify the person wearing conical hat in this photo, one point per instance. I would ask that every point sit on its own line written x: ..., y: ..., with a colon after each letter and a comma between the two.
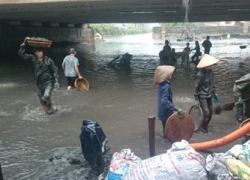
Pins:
x: 165, y: 106
x: 205, y: 89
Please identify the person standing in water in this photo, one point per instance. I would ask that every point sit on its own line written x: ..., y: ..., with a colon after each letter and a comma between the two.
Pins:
x: 165, y: 106
x: 242, y: 91
x: 46, y: 75
x: 197, y: 53
x: 70, y: 67
x: 205, y: 90
x: 207, y: 45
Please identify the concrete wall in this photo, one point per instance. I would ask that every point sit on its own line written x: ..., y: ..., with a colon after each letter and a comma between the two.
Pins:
x: 11, y: 36
x: 209, y: 30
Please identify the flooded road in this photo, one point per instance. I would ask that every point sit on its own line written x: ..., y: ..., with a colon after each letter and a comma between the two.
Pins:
x: 119, y: 100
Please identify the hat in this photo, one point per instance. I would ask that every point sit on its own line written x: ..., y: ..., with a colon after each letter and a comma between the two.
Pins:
x: 162, y: 73
x: 72, y: 50
x: 207, y: 60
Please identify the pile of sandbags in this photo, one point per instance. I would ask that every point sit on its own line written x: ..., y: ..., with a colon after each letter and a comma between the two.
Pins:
x: 180, y: 162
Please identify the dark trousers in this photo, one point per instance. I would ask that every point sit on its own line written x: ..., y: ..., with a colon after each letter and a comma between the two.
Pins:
x: 44, y: 92
x: 239, y: 111
x: 207, y: 109
x: 196, y: 56
x: 71, y: 81
x: 206, y: 51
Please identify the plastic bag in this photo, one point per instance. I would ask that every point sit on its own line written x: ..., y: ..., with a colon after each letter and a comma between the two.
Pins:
x: 217, y: 167
x: 241, y: 152
x: 181, y: 162
x: 121, y: 162
x: 238, y: 168
x: 93, y: 141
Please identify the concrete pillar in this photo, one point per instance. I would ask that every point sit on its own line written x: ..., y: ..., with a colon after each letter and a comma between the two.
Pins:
x: 245, y: 27
x: 163, y: 31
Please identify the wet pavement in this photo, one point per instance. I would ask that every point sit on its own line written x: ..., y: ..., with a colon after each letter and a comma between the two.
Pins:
x: 119, y: 100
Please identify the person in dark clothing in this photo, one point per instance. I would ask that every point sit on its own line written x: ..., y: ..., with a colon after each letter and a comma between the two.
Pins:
x: 207, y: 45
x: 167, y: 47
x: 165, y: 53
x: 242, y: 91
x: 185, y: 54
x: 46, y: 76
x: 173, y: 57
x: 197, y: 53
x: 205, y: 89
x: 165, y: 106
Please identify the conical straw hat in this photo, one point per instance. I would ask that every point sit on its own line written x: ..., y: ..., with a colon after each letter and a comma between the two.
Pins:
x: 162, y: 73
x: 207, y: 60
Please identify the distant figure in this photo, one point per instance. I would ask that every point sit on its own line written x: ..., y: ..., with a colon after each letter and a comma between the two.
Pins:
x: 165, y: 53
x: 197, y: 53
x: 173, y: 57
x: 70, y: 67
x: 207, y: 45
x: 185, y: 53
x: 167, y: 47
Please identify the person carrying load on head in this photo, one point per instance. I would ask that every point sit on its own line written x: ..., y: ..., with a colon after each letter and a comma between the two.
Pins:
x: 165, y: 106
x: 205, y: 90
x: 242, y: 91
x: 46, y: 75
x: 70, y: 67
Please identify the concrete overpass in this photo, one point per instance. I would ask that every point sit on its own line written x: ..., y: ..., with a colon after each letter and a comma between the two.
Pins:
x: 118, y: 11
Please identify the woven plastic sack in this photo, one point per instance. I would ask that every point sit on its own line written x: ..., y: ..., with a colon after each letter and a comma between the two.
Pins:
x: 121, y: 162
x: 181, y: 162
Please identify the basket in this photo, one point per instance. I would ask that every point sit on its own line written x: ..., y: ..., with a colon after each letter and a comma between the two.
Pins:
x: 178, y: 129
x: 81, y: 84
x: 39, y: 42
x: 244, y: 123
x: 243, y: 46
x: 197, y: 116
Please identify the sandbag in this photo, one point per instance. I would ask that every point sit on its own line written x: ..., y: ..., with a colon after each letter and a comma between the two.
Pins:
x: 238, y: 168
x: 93, y: 141
x: 121, y: 162
x: 181, y: 162
x: 217, y: 168
x: 241, y: 152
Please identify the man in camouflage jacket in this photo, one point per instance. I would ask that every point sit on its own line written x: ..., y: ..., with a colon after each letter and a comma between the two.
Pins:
x: 46, y: 76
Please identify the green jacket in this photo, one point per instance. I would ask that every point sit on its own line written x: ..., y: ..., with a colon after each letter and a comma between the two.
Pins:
x: 242, y: 90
